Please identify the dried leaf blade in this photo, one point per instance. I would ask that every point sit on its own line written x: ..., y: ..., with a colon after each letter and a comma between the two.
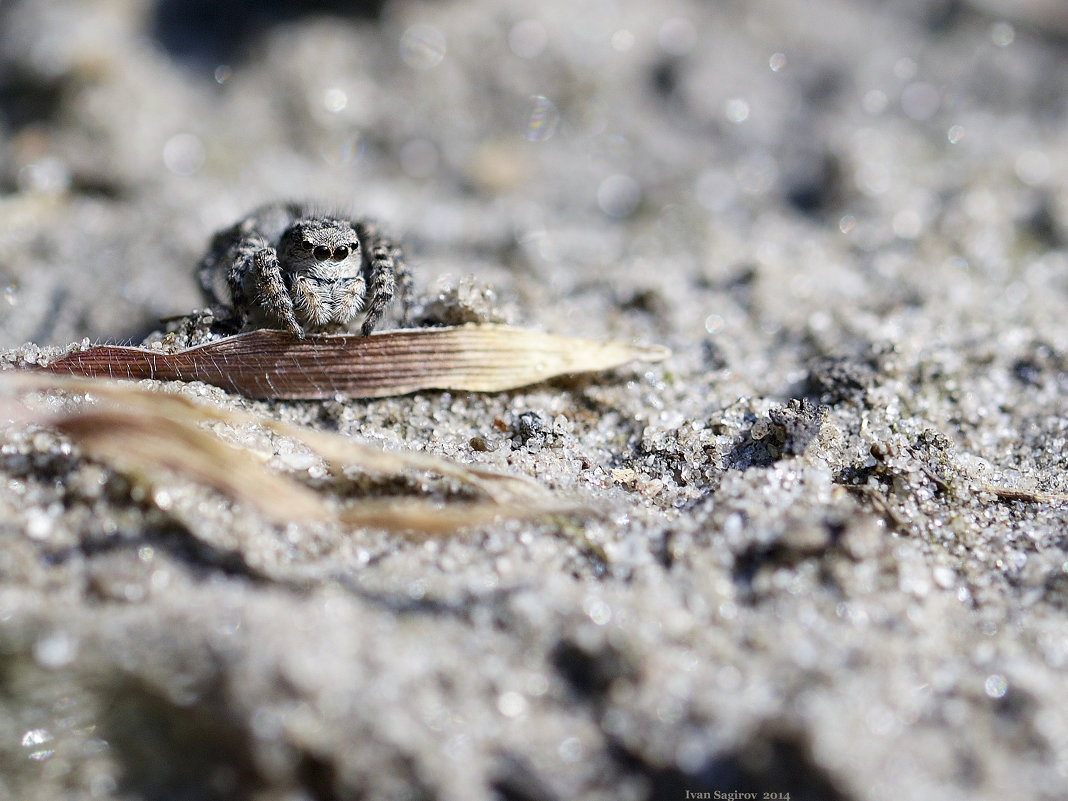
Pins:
x: 273, y: 364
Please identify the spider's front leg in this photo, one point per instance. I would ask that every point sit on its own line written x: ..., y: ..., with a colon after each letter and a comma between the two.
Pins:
x: 385, y: 267
x: 273, y: 294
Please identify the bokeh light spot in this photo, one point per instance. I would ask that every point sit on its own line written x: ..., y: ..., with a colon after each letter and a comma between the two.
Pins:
x: 528, y: 38
x: 541, y: 118
x: 183, y: 154
x: 422, y: 46
x: 619, y: 195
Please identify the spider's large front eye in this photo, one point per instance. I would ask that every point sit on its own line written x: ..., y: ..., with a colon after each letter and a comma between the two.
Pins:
x: 322, y: 253
x: 341, y: 252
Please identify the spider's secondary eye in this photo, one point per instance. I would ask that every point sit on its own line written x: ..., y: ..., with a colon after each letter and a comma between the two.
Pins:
x: 322, y: 253
x: 341, y: 253
x: 306, y: 245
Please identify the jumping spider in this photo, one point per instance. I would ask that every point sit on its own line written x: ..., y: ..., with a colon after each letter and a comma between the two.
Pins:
x: 287, y: 265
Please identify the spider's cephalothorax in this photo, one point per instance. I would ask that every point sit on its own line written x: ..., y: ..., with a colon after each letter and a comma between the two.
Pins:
x: 288, y: 266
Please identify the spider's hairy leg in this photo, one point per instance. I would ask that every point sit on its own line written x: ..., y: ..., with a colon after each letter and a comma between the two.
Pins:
x: 404, y: 278
x: 381, y: 268
x: 236, y: 277
x: 273, y: 294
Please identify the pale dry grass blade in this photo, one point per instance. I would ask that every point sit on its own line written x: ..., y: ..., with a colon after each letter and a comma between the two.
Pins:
x: 143, y: 444
x: 150, y: 434
x: 337, y: 451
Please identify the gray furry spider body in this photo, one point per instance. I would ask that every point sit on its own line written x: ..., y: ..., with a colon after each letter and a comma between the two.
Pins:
x: 288, y: 265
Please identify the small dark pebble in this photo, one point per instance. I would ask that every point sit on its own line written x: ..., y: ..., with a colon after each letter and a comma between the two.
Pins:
x: 838, y: 379
x: 794, y: 426
x: 530, y: 429
x: 480, y: 443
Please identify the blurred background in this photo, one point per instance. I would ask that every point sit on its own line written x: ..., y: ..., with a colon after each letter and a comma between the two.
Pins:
x: 580, y: 156
x: 858, y: 203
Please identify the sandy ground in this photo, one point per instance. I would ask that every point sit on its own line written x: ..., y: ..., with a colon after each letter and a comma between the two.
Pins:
x: 829, y: 556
